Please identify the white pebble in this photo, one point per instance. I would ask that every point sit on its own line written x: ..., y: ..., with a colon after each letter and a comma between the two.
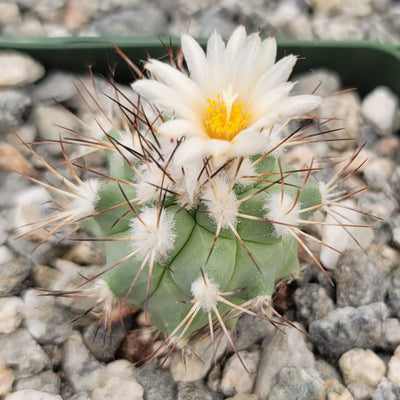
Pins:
x: 380, y: 108
x: 362, y: 367
x: 394, y: 367
x: 11, y: 314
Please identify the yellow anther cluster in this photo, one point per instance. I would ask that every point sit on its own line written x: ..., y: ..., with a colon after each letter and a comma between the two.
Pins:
x: 222, y: 126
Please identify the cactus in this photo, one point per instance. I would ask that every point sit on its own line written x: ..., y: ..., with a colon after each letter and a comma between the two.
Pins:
x: 199, y: 214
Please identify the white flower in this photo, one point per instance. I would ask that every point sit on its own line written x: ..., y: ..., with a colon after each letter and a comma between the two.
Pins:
x: 232, y: 97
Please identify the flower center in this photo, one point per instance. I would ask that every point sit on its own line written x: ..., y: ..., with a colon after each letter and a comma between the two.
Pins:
x: 225, y: 117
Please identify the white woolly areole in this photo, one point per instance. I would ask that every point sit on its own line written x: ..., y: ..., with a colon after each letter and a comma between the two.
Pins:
x: 104, y: 295
x: 85, y: 199
x: 221, y: 202
x: 149, y: 186
x: 148, y: 234
x: 277, y: 209
x: 205, y: 293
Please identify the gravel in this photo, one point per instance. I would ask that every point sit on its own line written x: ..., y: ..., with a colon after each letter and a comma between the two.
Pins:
x: 353, y: 347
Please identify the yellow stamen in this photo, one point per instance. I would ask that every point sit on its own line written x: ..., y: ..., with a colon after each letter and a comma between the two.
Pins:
x: 225, y: 118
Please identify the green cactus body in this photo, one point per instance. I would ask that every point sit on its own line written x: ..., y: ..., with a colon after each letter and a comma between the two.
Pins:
x: 249, y: 268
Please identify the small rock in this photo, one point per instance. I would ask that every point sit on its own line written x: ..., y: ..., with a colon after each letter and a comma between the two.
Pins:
x: 394, y: 367
x: 44, y: 276
x: 393, y: 288
x: 12, y: 160
x: 55, y: 85
x: 80, y: 396
x: 340, y: 239
x: 102, y: 343
x: 380, y: 107
x: 334, y: 390
x: 344, y: 109
x: 46, y: 322
x: 234, y: 380
x: 12, y: 275
x: 22, y: 353
x: 378, y: 171
x: 359, y: 8
x: 250, y: 330
x: 54, y: 353
x: 297, y: 383
x: 390, y: 337
x: 50, y: 120
x: 6, y: 379
x: 127, y: 22
x: 32, y: 395
x: 348, y: 327
x: 326, y: 81
x: 327, y: 371
x: 11, y: 314
x: 386, y: 390
x: 86, y: 253
x: 386, y: 257
x: 285, y: 349
x: 9, y: 12
x: 197, y: 363
x: 337, y: 28
x: 362, y: 367
x: 360, y: 391
x: 196, y: 391
x: 312, y: 302
x: 359, y: 280
x: 244, y: 396
x: 46, y: 381
x: 157, y: 384
x: 18, y: 69
x: 118, y: 388
x: 15, y: 107
x: 81, y: 369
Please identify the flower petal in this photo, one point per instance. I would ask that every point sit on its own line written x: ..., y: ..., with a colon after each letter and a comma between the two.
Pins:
x: 195, y: 59
x: 177, y: 128
x: 274, y: 76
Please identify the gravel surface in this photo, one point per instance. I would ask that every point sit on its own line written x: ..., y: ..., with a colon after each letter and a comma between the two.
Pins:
x: 352, y: 350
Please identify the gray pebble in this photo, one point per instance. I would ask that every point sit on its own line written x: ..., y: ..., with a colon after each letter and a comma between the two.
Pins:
x: 22, y: 353
x: 348, y: 327
x: 196, y: 390
x: 46, y: 381
x: 81, y: 369
x: 157, y: 384
x: 12, y: 276
x: 250, y: 330
x: 119, y: 388
x: 326, y: 81
x: 102, y: 343
x: 297, y: 384
x: 386, y: 390
x: 18, y: 69
x: 359, y: 280
x: 327, y: 371
x: 312, y: 302
x: 55, y: 85
x: 80, y: 396
x: 390, y: 337
x: 129, y: 22
x: 393, y: 288
x: 32, y: 394
x: 285, y: 349
x: 11, y: 314
x: 46, y: 322
x: 15, y: 107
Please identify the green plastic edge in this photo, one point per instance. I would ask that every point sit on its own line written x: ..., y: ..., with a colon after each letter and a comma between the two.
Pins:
x: 360, y: 64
